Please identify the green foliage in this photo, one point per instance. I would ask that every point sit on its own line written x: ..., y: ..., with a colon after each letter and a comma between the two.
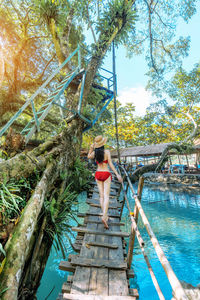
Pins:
x: 58, y: 216
x: 10, y: 200
x: 116, y: 12
x: 58, y: 208
x: 2, y: 250
x: 79, y: 176
x: 13, y: 197
x: 3, y: 291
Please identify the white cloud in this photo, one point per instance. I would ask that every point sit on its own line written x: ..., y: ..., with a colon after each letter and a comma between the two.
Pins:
x: 138, y: 96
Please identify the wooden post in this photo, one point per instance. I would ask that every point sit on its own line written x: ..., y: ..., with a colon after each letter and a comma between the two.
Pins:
x: 122, y: 186
x: 132, y: 236
x: 187, y: 163
x: 125, y: 192
x: 179, y: 160
x: 197, y: 158
x: 141, y: 243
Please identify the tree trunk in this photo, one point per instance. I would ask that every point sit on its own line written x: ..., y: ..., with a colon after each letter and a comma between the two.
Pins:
x: 17, y: 246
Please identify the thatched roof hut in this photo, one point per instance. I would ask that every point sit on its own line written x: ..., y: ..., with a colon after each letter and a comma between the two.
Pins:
x: 150, y: 150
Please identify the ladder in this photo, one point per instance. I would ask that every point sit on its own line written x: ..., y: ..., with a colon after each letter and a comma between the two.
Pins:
x: 33, y: 126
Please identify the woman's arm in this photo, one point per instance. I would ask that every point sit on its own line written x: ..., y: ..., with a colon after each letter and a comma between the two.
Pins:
x: 91, y: 152
x: 112, y: 167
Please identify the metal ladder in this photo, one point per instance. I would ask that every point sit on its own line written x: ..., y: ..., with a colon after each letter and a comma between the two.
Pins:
x: 33, y: 125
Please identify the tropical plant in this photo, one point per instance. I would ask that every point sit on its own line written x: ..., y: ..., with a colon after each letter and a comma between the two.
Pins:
x: 58, y: 218
x: 80, y: 176
x: 10, y: 201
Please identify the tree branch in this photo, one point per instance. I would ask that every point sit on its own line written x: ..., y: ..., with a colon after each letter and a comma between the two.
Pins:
x: 90, y: 26
x: 17, y: 11
x: 48, y: 63
x: 195, y: 129
x: 166, y: 25
x: 151, y: 37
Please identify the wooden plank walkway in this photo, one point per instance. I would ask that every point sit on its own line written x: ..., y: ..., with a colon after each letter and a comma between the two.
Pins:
x: 100, y: 270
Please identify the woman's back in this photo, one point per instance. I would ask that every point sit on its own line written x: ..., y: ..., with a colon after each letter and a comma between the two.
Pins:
x: 103, y: 166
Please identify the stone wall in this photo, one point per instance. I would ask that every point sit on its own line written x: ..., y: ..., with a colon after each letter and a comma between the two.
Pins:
x: 177, y: 179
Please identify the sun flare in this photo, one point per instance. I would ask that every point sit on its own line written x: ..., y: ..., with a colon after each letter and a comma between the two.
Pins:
x: 2, y: 66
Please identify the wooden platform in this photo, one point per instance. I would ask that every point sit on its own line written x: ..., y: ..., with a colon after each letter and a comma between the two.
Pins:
x: 100, y: 269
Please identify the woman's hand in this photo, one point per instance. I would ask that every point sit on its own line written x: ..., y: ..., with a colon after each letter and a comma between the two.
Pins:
x: 92, y: 148
x: 119, y: 178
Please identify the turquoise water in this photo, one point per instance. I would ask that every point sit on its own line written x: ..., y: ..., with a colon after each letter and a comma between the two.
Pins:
x: 174, y: 218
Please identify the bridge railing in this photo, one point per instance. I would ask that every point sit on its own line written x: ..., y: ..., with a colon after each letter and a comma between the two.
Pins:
x: 177, y: 288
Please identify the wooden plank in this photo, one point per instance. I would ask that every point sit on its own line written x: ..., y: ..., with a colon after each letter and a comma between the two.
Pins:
x: 93, y: 281
x: 109, y: 223
x: 81, y: 215
x: 95, y: 297
x: 107, y: 233
x: 104, y: 245
x: 96, y: 200
x: 102, y: 274
x: 82, y: 275
x: 76, y: 247
x: 70, y: 278
x: 66, y: 266
x: 79, y: 238
x: 98, y: 263
x: 97, y: 214
x: 134, y: 292
x: 118, y: 283
x: 98, y: 205
x: 113, y: 186
x: 112, y: 193
x: 66, y: 287
x: 130, y: 273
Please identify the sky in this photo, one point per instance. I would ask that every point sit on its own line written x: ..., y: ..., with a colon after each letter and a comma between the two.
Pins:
x: 131, y: 79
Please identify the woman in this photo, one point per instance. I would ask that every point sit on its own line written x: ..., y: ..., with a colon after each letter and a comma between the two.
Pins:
x: 103, y: 176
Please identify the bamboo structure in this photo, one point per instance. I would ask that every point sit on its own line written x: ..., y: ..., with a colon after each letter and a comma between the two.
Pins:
x: 175, y: 283
x: 135, y: 231
x: 136, y: 212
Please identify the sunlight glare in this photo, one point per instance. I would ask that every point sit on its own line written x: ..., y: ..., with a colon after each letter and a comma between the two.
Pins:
x: 2, y: 66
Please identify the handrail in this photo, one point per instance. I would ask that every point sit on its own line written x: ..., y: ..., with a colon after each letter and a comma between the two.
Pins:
x: 173, y: 280
x: 135, y: 230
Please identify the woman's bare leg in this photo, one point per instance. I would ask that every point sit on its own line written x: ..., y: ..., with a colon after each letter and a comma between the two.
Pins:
x: 107, y: 184
x: 100, y: 185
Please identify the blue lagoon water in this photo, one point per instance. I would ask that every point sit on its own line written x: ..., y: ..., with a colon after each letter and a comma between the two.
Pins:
x: 175, y: 219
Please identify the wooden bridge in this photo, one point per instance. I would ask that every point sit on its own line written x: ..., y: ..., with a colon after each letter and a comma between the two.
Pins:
x: 102, y: 269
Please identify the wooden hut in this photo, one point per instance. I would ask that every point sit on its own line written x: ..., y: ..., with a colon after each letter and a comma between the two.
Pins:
x: 151, y: 153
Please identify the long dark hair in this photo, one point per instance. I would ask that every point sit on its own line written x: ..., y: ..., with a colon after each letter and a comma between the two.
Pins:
x: 99, y: 154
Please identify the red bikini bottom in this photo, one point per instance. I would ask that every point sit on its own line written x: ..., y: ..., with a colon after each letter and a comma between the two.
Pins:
x: 102, y: 176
